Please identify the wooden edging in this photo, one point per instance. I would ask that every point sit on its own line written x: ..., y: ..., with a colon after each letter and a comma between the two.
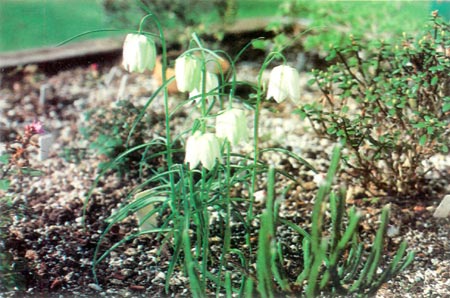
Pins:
x: 71, y: 50
x: 105, y: 45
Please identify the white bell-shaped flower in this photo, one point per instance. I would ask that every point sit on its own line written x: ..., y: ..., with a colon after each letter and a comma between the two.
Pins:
x: 202, y: 148
x: 211, y: 83
x: 187, y: 72
x: 283, y: 83
x: 139, y: 53
x: 232, y: 125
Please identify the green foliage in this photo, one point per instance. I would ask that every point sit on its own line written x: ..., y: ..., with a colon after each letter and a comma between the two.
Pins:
x: 183, y: 17
x: 46, y: 23
x: 388, y: 105
x: 335, y: 261
x: 333, y: 21
x: 11, y: 273
x: 4, y: 162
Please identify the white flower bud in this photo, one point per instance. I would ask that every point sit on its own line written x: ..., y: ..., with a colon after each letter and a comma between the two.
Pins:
x: 283, y: 83
x: 139, y: 53
x: 232, y: 125
x: 187, y: 73
x: 202, y: 148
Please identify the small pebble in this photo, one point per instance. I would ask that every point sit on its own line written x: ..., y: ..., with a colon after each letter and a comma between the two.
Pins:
x: 95, y: 287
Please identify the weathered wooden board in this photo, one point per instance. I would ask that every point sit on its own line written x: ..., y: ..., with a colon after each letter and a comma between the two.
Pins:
x: 104, y: 45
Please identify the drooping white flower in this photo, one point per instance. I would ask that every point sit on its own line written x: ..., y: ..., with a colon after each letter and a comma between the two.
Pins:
x: 139, y: 53
x: 283, y: 83
x: 187, y: 73
x: 232, y: 125
x: 202, y: 148
x: 211, y: 83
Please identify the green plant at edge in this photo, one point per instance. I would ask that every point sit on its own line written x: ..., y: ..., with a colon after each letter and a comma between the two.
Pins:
x: 334, y: 261
x: 389, y: 106
x: 14, y: 163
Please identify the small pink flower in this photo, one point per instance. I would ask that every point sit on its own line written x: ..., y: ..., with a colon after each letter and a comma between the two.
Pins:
x: 93, y: 67
x: 35, y: 128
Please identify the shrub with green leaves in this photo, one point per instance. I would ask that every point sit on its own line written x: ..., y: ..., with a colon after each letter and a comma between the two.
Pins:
x: 389, y: 105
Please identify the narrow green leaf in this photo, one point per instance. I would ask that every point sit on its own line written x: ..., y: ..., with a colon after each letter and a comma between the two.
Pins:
x: 423, y: 140
x: 259, y: 44
x: 434, y: 81
x: 4, y: 184
x: 306, y: 247
x: 331, y: 56
x: 4, y: 158
x: 248, y: 288
x: 296, y: 228
x: 446, y: 107
x: 263, y: 267
x: 228, y: 287
x: 377, y: 247
x: 351, y: 228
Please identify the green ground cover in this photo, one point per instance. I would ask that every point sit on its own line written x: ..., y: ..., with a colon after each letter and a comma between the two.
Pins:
x: 334, y: 21
x: 36, y: 23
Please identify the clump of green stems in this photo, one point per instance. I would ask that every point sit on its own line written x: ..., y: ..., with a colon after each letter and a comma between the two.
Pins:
x: 335, y: 262
x: 183, y: 201
x: 388, y: 104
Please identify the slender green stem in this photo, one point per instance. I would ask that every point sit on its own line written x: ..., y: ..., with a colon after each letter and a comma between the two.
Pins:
x: 227, y: 232
x: 259, y: 95
x: 203, y: 222
x: 141, y: 23
x: 203, y: 83
x: 166, y: 103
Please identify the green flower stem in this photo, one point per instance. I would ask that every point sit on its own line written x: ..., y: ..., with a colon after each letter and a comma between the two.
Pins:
x: 225, y: 78
x: 166, y: 107
x: 203, y: 213
x: 203, y: 99
x: 227, y: 232
x: 227, y: 237
x: 259, y: 94
x: 141, y: 23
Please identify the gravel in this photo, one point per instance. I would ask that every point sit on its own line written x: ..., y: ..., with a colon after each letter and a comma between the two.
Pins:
x: 47, y: 234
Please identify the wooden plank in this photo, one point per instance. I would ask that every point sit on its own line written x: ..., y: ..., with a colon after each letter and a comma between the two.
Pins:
x: 71, y: 50
x: 106, y: 45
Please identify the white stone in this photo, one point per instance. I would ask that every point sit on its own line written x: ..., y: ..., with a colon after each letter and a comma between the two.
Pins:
x: 42, y: 93
x: 95, y: 287
x: 443, y: 210
x: 45, y: 142
x: 122, y: 87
